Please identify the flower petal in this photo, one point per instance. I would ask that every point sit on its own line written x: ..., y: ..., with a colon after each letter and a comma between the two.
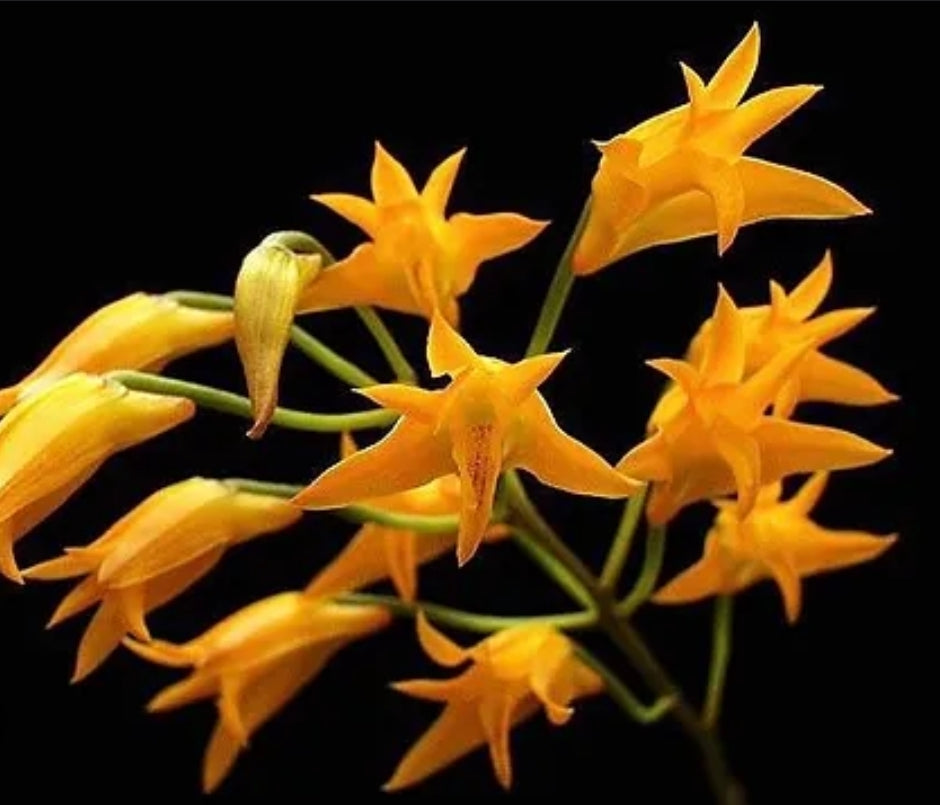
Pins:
x: 810, y: 293
x: 391, y: 183
x: 730, y: 82
x: 448, y: 352
x: 436, y: 191
x: 358, y: 211
x: 826, y: 379
x: 724, y: 357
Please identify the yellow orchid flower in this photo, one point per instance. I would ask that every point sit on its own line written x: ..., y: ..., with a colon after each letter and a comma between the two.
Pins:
x: 514, y: 673
x: 768, y: 329
x: 151, y: 555
x: 778, y: 541
x: 55, y: 439
x: 255, y: 661
x: 418, y: 260
x: 140, y: 331
x: 488, y: 419
x: 720, y: 439
x: 683, y: 174
x: 378, y: 551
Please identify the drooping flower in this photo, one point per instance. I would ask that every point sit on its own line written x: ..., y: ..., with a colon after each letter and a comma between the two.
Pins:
x: 379, y: 551
x: 788, y: 320
x: 777, y: 541
x: 267, y: 291
x: 254, y: 662
x: 720, y: 440
x: 55, y: 439
x: 418, y: 260
x: 513, y: 673
x: 141, y: 332
x: 490, y: 418
x: 683, y: 174
x: 152, y: 554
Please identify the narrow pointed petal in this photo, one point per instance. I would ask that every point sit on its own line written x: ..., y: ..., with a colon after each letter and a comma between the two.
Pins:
x: 788, y: 582
x: 448, y: 352
x: 228, y: 703
x: 788, y: 448
x: 86, y: 593
x: 455, y: 733
x: 826, y: 379
x: 831, y: 325
x: 195, y: 687
x: 707, y: 577
x: 8, y: 566
x: 437, y: 645
x: 756, y: 394
x: 518, y: 381
x: 62, y: 567
x: 742, y: 454
x: 482, y: 237
x: 391, y: 183
x: 432, y: 690
x: 754, y: 118
x: 730, y: 83
x: 402, y: 560
x: 167, y: 586
x: 347, y: 444
x: 361, y: 563
x: 695, y: 88
x: 805, y: 500
x: 549, y: 666
x: 414, y: 402
x: 130, y: 602
x: 478, y: 455
x: 810, y: 293
x: 725, y: 347
x: 720, y: 180
x: 408, y: 456
x: 561, y: 461
x: 101, y: 638
x: 436, y: 191
x: 682, y: 373
x: 820, y: 550
x: 496, y: 717
x: 648, y: 461
x: 358, y: 211
x: 788, y: 398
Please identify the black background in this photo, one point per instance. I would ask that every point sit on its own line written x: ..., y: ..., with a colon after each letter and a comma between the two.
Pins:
x: 149, y: 147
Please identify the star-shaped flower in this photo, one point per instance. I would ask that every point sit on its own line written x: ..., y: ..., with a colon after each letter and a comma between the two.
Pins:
x: 683, y: 174
x: 154, y: 553
x: 778, y: 541
x: 788, y: 320
x: 720, y: 440
x: 513, y: 674
x: 489, y: 418
x: 379, y: 551
x: 419, y: 260
x: 254, y: 662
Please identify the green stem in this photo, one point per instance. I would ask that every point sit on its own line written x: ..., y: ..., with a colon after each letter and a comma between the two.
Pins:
x: 623, y: 539
x: 721, y: 656
x: 558, y: 291
x: 726, y: 789
x: 649, y: 573
x: 312, y: 347
x: 470, y: 621
x: 383, y: 337
x: 227, y: 402
x: 622, y: 695
x: 554, y: 569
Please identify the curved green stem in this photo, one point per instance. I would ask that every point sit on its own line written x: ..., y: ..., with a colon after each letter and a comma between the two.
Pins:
x: 649, y: 573
x: 558, y: 291
x: 622, y: 695
x: 383, y: 337
x: 227, y: 402
x: 623, y: 540
x: 470, y: 621
x: 721, y: 656
x: 312, y: 347
x: 725, y: 787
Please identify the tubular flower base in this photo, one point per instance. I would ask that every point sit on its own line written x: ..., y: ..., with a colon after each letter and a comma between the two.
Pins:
x: 419, y: 260
x: 254, y: 662
x: 378, y: 551
x: 140, y: 331
x: 54, y: 440
x: 489, y: 418
x: 513, y: 674
x: 769, y: 329
x: 150, y: 556
x: 778, y: 541
x: 683, y: 174
x: 720, y: 440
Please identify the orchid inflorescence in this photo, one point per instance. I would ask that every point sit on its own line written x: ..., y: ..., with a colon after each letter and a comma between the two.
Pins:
x: 444, y: 478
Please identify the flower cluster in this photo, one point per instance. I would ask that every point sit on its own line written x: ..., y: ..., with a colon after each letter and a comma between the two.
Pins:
x: 445, y: 478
